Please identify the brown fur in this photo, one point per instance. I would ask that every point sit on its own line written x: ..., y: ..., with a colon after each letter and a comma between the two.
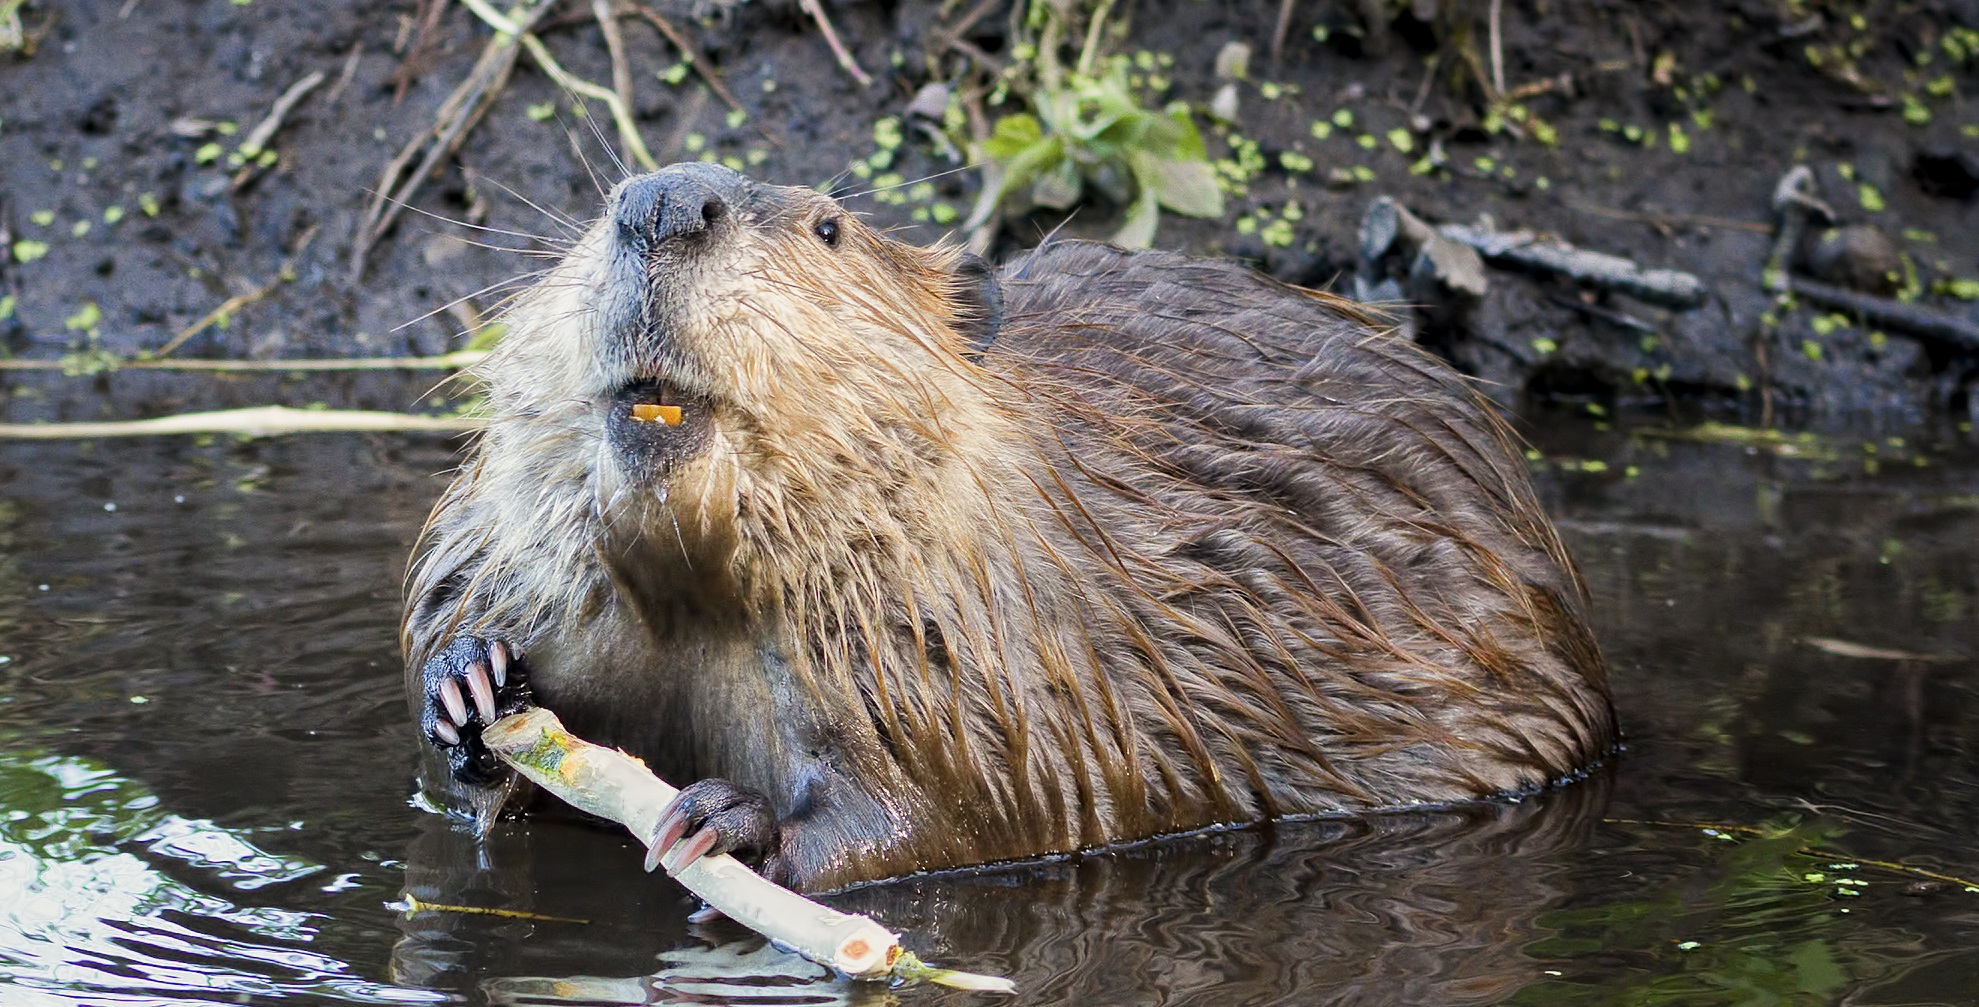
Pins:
x: 1185, y: 546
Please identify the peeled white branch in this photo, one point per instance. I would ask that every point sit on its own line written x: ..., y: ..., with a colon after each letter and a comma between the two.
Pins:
x: 617, y: 786
x: 260, y: 421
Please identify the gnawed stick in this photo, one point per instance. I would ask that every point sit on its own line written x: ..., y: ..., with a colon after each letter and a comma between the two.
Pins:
x: 615, y: 785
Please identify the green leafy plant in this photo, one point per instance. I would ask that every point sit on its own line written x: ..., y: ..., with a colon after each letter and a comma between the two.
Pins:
x: 1089, y: 131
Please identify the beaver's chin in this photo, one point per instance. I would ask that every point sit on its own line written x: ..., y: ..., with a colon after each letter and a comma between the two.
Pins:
x: 652, y: 427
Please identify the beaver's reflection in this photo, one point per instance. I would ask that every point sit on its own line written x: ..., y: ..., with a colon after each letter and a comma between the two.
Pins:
x: 1416, y: 908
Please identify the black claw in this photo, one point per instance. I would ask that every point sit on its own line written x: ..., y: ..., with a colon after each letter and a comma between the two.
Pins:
x: 712, y: 817
x: 470, y: 684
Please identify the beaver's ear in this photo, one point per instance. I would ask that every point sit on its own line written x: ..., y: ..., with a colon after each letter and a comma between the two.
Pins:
x: 979, y: 302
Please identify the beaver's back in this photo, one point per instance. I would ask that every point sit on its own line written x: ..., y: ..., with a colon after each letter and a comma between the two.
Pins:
x: 1352, y: 596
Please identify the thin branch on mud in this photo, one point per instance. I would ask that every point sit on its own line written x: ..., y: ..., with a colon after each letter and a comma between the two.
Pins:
x: 1668, y: 287
x: 262, y: 134
x: 445, y: 362
x: 345, y: 75
x: 1609, y: 315
x: 686, y: 49
x: 224, y: 311
x: 456, y: 116
x: 944, y: 37
x: 220, y: 315
x: 617, y: 786
x: 1497, y: 51
x: 261, y: 421
x: 1278, y: 32
x: 1873, y: 311
x: 1661, y: 221
x: 615, y: 45
x: 1797, y: 204
x: 845, y: 60
x: 628, y: 132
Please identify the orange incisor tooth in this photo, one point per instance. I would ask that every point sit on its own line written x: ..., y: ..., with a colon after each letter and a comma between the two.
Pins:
x: 653, y: 412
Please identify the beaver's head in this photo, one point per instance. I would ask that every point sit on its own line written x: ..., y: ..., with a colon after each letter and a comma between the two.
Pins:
x: 750, y: 348
x: 703, y: 300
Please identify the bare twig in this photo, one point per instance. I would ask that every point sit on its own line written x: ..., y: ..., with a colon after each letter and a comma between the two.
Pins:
x: 1670, y: 219
x: 1278, y: 32
x: 945, y: 36
x: 1796, y: 203
x: 451, y: 124
x: 262, y: 421
x: 445, y: 362
x: 1622, y: 319
x: 1668, y: 287
x: 345, y: 75
x: 976, y: 53
x: 218, y: 315
x: 1497, y: 51
x: 686, y: 49
x: 259, y: 137
x: 1887, y: 313
x: 615, y: 45
x: 845, y: 60
x: 628, y: 132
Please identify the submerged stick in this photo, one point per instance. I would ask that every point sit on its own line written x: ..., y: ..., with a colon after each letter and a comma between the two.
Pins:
x: 617, y: 786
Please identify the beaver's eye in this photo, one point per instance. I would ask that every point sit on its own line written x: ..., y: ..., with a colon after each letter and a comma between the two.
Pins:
x: 827, y: 231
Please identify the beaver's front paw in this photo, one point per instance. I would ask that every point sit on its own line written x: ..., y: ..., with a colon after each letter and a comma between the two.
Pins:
x: 711, y: 817
x: 470, y: 684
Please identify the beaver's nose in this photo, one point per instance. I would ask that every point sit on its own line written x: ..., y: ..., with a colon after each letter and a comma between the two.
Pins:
x: 674, y: 202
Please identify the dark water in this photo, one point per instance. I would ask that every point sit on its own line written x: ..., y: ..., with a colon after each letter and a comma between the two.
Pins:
x: 205, y: 764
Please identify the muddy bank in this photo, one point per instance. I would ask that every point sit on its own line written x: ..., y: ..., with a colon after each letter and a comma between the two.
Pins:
x: 1656, y: 134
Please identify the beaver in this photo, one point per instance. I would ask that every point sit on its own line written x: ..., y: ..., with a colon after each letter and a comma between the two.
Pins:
x: 912, y: 563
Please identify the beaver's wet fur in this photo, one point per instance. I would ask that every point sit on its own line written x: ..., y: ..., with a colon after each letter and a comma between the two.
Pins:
x: 943, y: 566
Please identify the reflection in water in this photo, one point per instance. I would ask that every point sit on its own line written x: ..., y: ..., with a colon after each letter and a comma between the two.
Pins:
x: 77, y: 913
x: 205, y: 764
x: 1431, y: 907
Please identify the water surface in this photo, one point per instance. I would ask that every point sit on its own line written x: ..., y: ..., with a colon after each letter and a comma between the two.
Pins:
x: 205, y: 767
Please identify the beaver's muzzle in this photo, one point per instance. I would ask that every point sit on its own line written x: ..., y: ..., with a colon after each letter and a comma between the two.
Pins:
x: 677, y: 204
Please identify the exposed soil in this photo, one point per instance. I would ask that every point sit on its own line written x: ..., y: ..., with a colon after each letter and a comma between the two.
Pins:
x: 1669, y: 126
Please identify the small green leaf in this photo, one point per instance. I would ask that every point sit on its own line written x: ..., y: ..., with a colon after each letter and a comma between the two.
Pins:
x: 1138, y: 231
x: 86, y: 318
x: 1020, y: 171
x: 28, y: 251
x: 1014, y: 134
x: 1187, y: 187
